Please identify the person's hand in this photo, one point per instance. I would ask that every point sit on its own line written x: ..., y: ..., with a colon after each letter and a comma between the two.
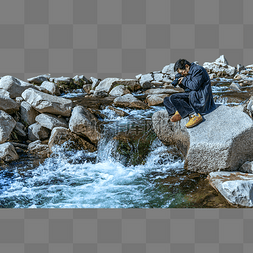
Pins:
x: 180, y: 80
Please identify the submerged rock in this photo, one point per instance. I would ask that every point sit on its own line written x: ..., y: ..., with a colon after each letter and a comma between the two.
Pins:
x: 236, y: 187
x: 47, y: 103
x: 7, y: 124
x: 8, y: 152
x: 118, y: 111
x: 222, y: 141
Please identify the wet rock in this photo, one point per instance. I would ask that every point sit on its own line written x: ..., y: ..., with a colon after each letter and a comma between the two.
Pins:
x: 39, y: 149
x: 156, y: 99
x: 95, y: 83
x: 20, y: 129
x: 130, y: 101
x: 145, y: 81
x: 247, y: 167
x: 83, y: 122
x: 37, y: 132
x: 39, y: 79
x: 45, y: 103
x: 119, y: 90
x: 211, y: 145
x: 8, y: 152
x: 28, y: 114
x: 4, y: 93
x: 60, y: 135
x: 236, y: 187
x: 105, y: 87
x: 50, y: 121
x: 7, y: 124
x: 160, y: 91
x: 13, y: 85
x: 220, y: 67
x: 8, y: 105
x: 51, y: 87
x: 118, y: 111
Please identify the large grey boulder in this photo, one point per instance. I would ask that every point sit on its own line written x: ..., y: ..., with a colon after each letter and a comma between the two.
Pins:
x: 222, y: 141
x: 145, y: 81
x: 131, y: 84
x: 7, y: 124
x: 51, y: 87
x: 50, y: 121
x: 37, y: 132
x: 105, y: 87
x: 28, y: 114
x: 119, y: 90
x: 8, y: 105
x: 247, y: 167
x: 61, y: 135
x: 8, y: 152
x: 130, y: 101
x: 47, y: 103
x: 84, y: 123
x: 236, y: 187
x: 13, y: 85
x: 39, y: 79
x: 220, y: 67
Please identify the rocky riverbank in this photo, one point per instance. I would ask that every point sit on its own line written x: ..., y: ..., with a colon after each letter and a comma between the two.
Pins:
x: 44, y: 111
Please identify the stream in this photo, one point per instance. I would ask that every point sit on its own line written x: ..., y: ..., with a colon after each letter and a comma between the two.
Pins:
x: 130, y: 169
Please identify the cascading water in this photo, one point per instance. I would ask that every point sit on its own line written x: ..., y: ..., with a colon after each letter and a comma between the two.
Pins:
x: 81, y: 179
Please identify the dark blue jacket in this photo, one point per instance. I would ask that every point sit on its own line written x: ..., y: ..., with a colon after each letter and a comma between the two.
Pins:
x: 199, y: 86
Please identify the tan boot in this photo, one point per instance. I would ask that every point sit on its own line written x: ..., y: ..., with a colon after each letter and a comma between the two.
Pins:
x: 176, y: 117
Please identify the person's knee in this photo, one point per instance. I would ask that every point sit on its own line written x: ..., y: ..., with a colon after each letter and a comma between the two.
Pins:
x: 166, y: 100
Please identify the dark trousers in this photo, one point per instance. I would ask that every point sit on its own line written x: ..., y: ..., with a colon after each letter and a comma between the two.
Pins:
x: 178, y: 102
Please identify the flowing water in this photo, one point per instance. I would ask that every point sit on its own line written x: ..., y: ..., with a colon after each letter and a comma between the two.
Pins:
x: 130, y: 169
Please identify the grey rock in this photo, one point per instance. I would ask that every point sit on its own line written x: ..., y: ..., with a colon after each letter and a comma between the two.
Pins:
x: 7, y: 124
x: 138, y: 76
x: 95, y: 82
x: 158, y: 77
x: 236, y: 187
x: 8, y: 152
x: 62, y: 79
x: 118, y: 111
x: 156, y: 99
x: 240, y: 67
x: 39, y: 79
x: 20, y: 129
x: 50, y: 121
x: 84, y: 123
x: 8, y: 105
x: 169, y: 69
x: 37, y: 132
x: 160, y: 91
x: 39, y: 149
x: 61, y: 135
x: 247, y: 167
x: 221, y: 60
x: 167, y: 78
x: 13, y: 85
x: 145, y: 81
x: 119, y: 90
x: 80, y: 80
x: 45, y: 103
x: 105, y: 87
x: 51, y: 87
x: 130, y: 101
x: 235, y: 86
x: 28, y: 114
x: 211, y: 145
x: 19, y: 100
x: 4, y: 93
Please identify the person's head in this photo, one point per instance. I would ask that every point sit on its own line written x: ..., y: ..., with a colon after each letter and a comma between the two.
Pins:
x: 182, y: 66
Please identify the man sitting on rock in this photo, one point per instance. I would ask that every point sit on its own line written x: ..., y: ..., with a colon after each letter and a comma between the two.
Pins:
x: 197, y: 98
